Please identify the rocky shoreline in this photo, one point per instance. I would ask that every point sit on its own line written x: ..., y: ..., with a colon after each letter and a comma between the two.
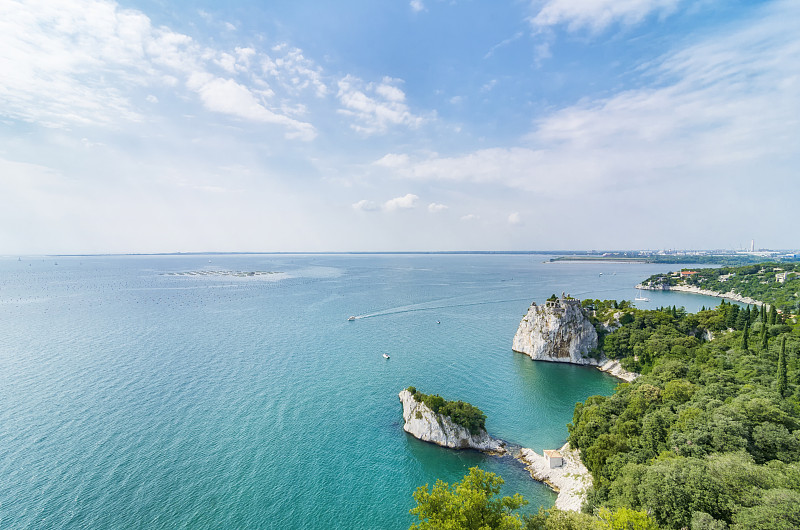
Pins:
x: 696, y: 290
x: 570, y: 480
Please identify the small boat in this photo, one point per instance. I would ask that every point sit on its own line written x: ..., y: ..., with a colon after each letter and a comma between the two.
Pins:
x: 351, y: 319
x: 385, y: 355
x: 640, y: 297
x: 438, y: 322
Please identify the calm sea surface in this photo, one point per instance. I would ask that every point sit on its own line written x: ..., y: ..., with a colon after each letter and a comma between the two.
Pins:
x: 136, y: 395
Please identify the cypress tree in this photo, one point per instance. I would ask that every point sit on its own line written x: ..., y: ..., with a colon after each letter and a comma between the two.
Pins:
x: 764, y: 338
x: 773, y: 316
x: 754, y: 315
x: 782, y: 381
x: 763, y: 313
x: 745, y: 336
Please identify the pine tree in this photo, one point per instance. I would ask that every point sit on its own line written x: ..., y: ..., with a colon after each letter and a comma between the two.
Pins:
x: 745, y: 336
x: 782, y: 379
x: 733, y: 315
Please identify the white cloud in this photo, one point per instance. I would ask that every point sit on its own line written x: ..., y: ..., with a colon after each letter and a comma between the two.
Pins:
x: 514, y: 218
x: 151, y: 98
x: 375, y: 106
x: 229, y: 97
x: 596, y: 15
x: 293, y: 70
x: 365, y: 206
x: 436, y: 208
x: 81, y: 63
x: 417, y: 6
x: 405, y: 202
x: 392, y: 160
x: 725, y: 103
x: 469, y: 217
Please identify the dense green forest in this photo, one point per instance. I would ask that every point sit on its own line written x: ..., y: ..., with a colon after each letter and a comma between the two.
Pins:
x: 776, y: 284
x: 709, y: 436
x: 468, y: 416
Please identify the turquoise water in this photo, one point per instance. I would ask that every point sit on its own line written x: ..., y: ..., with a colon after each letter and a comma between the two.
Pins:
x: 135, y: 398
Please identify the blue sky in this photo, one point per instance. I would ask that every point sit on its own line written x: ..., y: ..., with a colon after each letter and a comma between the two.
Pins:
x: 152, y: 126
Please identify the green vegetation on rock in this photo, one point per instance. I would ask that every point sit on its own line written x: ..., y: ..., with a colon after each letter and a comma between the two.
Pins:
x: 468, y: 416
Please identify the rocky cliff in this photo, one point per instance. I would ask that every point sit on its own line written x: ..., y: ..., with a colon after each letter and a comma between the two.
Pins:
x: 559, y: 331
x: 421, y: 422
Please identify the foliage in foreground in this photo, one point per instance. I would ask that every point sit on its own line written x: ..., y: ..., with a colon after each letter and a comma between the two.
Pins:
x: 472, y: 504
x: 468, y: 416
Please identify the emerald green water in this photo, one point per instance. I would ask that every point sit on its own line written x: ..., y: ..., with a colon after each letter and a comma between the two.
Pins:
x: 132, y: 398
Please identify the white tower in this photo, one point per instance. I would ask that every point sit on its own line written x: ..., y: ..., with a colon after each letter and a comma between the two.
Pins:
x: 752, y: 245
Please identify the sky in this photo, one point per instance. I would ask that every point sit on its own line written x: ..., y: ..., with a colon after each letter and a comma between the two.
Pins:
x: 304, y: 126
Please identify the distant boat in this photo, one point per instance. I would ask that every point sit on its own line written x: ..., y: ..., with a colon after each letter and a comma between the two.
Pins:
x: 438, y: 322
x: 640, y: 297
x: 351, y: 319
x: 385, y: 355
x: 601, y: 274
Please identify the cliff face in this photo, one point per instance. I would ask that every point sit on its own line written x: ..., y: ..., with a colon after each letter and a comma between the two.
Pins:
x: 559, y: 332
x: 421, y: 422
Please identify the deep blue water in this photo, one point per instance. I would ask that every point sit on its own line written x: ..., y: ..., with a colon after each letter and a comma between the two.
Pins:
x: 131, y: 397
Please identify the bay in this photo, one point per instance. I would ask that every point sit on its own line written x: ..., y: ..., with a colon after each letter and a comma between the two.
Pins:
x: 175, y: 392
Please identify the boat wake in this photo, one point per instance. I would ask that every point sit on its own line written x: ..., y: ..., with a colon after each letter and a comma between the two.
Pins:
x: 423, y: 307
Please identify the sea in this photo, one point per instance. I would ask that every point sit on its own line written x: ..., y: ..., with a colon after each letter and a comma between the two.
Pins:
x: 232, y: 391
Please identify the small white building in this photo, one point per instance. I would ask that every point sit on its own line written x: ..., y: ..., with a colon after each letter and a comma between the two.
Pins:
x: 553, y: 458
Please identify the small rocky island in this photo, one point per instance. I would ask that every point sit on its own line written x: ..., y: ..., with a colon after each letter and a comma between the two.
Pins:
x: 452, y: 424
x: 561, y: 331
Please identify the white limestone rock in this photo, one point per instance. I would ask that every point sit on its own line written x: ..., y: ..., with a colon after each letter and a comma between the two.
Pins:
x: 421, y: 422
x: 559, y: 332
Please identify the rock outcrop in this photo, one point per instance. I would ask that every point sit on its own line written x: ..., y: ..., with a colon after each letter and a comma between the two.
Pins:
x: 421, y: 422
x: 559, y: 331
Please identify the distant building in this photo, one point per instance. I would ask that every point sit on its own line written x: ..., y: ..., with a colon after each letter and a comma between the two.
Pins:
x: 554, y: 458
x: 685, y: 274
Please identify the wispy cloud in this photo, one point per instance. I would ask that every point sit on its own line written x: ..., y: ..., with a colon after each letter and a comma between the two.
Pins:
x: 727, y: 102
x: 436, y: 207
x: 597, y: 15
x: 82, y: 63
x: 514, y: 218
x: 417, y: 6
x: 374, y: 107
x: 366, y: 206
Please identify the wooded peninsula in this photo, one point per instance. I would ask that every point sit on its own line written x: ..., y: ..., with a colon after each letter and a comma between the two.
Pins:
x: 707, y: 438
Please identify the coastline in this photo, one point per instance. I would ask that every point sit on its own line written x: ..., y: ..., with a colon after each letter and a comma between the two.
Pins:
x: 696, y: 290
x: 570, y: 481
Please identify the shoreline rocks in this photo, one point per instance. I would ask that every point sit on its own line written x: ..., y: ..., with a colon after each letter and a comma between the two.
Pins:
x: 571, y: 480
x: 696, y: 290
